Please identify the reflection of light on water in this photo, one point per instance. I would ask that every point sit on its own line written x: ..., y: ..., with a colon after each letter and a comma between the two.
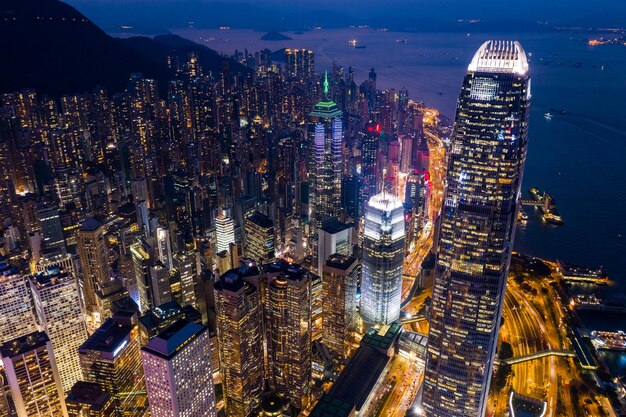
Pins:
x: 616, y: 361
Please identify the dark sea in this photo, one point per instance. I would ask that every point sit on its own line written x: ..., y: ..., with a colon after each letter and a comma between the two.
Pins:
x: 579, y: 157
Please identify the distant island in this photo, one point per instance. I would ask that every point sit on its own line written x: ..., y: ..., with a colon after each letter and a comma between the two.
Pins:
x: 275, y: 36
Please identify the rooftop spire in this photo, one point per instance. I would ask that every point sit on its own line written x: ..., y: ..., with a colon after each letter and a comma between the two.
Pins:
x: 326, y: 83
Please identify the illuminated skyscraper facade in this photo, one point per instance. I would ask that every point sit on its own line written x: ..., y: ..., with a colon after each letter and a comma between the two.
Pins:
x: 288, y: 330
x: 325, y: 163
x: 177, y: 368
x: 59, y: 313
x: 383, y: 259
x: 239, y: 315
x: 111, y: 358
x: 16, y: 317
x: 33, y: 376
x: 477, y: 230
x: 259, y: 230
x: 93, y: 258
x: 339, y: 280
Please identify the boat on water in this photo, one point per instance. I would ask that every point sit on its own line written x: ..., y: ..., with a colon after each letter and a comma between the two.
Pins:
x: 609, y: 340
x: 522, y: 217
x: 547, y: 207
x: 548, y: 116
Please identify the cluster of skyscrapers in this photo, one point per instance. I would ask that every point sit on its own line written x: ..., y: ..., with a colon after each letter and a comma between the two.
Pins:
x: 241, y: 231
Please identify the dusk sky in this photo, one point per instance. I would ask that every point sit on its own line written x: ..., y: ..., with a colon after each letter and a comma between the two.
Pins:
x: 171, y: 12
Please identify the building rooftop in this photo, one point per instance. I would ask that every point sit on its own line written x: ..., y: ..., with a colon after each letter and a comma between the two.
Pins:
x: 23, y: 344
x: 261, y: 220
x: 328, y: 406
x: 385, y: 202
x: 233, y: 279
x: 288, y: 270
x: 90, y: 224
x: 89, y: 393
x: 382, y: 338
x: 358, y: 378
x: 172, y: 339
x: 109, y: 339
x: 332, y: 226
x: 500, y: 56
x: 52, y: 275
x: 339, y: 261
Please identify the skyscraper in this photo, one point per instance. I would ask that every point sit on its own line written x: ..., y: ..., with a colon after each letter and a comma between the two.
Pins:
x: 333, y: 237
x: 224, y: 231
x: 59, y: 313
x: 383, y: 259
x: 259, y: 230
x: 477, y: 230
x: 111, y: 358
x: 33, y: 376
x: 240, y: 333
x: 177, y: 369
x: 339, y: 280
x: 289, y: 333
x: 93, y: 258
x: 16, y: 317
x: 326, y: 135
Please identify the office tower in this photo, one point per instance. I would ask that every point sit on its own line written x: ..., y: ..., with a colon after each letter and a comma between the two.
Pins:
x: 240, y: 333
x: 333, y: 237
x: 59, y: 313
x: 326, y: 138
x: 88, y: 399
x: 407, y: 153
x: 16, y: 317
x: 370, y: 142
x: 224, y: 231
x: 33, y: 376
x: 186, y: 265
x: 160, y: 284
x: 383, y: 259
x: 142, y: 294
x: 289, y: 333
x: 177, y: 369
x: 164, y: 247
x: 50, y: 226
x: 339, y: 283
x: 111, y: 358
x: 259, y: 232
x: 477, y: 230
x: 92, y: 251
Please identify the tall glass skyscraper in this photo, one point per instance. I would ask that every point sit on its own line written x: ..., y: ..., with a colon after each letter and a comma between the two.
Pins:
x: 325, y: 164
x: 383, y: 259
x: 477, y: 229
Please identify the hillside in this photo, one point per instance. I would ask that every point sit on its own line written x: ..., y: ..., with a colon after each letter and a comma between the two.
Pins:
x: 50, y: 46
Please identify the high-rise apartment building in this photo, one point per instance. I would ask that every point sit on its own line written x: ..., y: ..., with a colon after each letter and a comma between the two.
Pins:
x: 33, y: 376
x: 16, y: 317
x: 59, y: 313
x: 339, y: 280
x: 288, y: 330
x: 50, y: 226
x: 177, y: 369
x: 477, y: 229
x: 300, y: 62
x: 240, y: 333
x: 383, y: 259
